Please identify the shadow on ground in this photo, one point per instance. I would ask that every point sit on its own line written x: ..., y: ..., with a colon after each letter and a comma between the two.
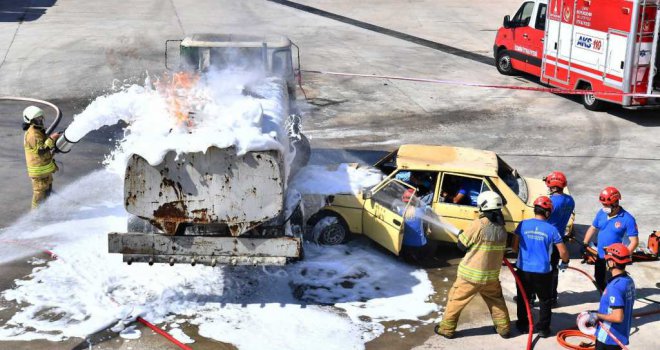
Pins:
x: 24, y: 10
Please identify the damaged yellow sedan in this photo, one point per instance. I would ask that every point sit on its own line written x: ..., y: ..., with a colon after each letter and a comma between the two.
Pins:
x: 445, y: 179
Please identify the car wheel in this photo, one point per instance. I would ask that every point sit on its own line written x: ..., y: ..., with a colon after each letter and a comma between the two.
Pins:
x: 503, y: 63
x: 590, y: 101
x: 330, y: 230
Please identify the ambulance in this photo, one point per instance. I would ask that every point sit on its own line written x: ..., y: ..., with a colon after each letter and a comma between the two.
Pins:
x: 608, y: 47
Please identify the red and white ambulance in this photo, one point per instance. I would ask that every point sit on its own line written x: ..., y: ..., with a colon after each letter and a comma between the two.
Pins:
x: 605, y: 46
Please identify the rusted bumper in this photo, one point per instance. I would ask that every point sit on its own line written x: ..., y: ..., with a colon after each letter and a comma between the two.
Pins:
x: 205, y: 250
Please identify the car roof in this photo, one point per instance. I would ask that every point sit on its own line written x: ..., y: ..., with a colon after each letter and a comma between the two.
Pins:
x: 447, y: 158
x: 235, y: 40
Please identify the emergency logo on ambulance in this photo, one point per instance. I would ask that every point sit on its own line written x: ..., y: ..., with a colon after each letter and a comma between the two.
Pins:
x: 588, y: 42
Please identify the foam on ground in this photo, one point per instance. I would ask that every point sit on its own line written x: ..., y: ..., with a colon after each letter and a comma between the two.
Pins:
x: 335, y: 290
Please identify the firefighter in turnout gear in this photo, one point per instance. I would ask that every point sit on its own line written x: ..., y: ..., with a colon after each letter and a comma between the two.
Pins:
x: 478, y: 273
x: 38, y: 154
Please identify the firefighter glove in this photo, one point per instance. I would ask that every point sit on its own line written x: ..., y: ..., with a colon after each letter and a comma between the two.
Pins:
x: 593, y: 318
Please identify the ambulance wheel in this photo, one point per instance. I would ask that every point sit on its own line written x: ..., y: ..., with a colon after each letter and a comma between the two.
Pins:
x: 590, y: 101
x: 503, y: 63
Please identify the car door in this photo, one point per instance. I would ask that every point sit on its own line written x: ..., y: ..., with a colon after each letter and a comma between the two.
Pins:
x: 382, y: 218
x: 458, y: 215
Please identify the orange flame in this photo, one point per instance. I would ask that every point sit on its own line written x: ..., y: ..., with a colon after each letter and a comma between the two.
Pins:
x: 177, y: 91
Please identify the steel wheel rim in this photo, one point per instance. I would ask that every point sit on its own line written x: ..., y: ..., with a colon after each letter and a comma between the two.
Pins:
x: 334, y: 234
x: 505, y: 63
x: 590, y: 99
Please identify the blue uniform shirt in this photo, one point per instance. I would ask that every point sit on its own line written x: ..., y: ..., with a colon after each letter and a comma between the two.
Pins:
x: 413, y: 230
x: 470, y: 188
x: 619, y: 293
x: 611, y: 230
x: 562, y: 209
x: 536, y: 240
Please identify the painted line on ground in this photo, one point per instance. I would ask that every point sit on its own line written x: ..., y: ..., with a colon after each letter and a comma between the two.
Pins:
x: 389, y: 32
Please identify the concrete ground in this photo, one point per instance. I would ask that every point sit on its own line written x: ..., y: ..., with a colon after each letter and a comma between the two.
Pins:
x: 70, y: 51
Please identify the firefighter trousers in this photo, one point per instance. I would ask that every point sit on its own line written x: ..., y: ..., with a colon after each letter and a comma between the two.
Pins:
x: 41, y: 189
x: 462, y: 292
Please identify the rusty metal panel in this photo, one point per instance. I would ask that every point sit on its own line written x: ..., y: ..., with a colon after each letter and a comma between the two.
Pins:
x: 215, y: 186
x: 201, y: 248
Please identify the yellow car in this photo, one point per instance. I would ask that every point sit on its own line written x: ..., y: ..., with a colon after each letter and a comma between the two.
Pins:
x: 447, y: 179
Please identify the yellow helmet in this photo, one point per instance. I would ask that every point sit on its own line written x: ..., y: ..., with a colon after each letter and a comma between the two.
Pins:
x: 31, y: 113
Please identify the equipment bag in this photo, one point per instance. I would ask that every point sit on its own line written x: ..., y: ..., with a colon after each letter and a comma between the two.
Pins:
x: 654, y: 242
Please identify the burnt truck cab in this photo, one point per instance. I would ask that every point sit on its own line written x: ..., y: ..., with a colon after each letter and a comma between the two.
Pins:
x: 440, y: 170
x: 272, y: 54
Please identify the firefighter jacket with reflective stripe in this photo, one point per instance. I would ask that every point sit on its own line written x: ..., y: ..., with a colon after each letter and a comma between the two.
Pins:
x: 38, y: 153
x: 486, y: 243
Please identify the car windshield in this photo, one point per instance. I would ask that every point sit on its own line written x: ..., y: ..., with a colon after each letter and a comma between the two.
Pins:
x: 511, y: 177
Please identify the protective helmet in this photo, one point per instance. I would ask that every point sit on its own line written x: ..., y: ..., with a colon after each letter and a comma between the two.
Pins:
x: 556, y: 179
x: 543, y: 202
x: 407, y: 195
x: 489, y: 200
x: 610, y: 195
x: 619, y: 253
x: 32, y: 112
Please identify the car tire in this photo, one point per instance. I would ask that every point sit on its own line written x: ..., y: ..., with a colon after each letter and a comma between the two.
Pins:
x: 330, y: 229
x: 503, y: 63
x: 590, y: 102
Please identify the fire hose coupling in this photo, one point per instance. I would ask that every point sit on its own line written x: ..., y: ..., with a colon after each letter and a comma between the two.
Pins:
x: 64, y: 144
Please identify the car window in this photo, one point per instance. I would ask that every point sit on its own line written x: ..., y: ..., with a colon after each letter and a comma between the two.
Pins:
x: 390, y: 195
x: 540, y: 17
x: 524, y: 14
x: 467, y: 187
x: 423, y: 181
x: 512, y: 179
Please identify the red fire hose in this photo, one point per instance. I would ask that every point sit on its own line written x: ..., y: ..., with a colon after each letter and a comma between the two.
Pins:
x: 572, y: 332
x: 139, y: 319
x: 164, y: 334
x: 524, y: 295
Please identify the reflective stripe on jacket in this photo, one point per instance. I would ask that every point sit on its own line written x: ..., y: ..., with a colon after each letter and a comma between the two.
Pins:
x: 38, y: 153
x: 486, y: 243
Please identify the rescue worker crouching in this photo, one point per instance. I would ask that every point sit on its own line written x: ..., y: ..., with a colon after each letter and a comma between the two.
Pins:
x: 616, y: 303
x: 39, y: 150
x: 536, y: 238
x: 478, y: 273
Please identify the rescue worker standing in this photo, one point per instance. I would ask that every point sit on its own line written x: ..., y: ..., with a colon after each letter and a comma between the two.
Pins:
x: 38, y: 154
x: 563, y: 206
x: 536, y: 238
x: 484, y: 242
x: 616, y: 303
x: 610, y: 224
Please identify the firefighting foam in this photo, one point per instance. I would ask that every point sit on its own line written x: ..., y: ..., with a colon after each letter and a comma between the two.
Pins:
x: 186, y: 113
x: 303, y: 305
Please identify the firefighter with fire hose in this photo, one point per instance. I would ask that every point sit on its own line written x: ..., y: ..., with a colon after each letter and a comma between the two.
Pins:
x: 611, y: 224
x: 478, y: 273
x: 39, y: 150
x: 563, y: 206
x: 616, y: 304
x: 536, y: 237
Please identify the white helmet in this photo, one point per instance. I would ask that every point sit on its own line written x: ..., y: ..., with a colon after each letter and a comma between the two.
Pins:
x: 489, y: 200
x: 31, y: 113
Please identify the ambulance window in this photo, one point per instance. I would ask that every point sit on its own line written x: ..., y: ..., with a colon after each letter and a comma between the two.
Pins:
x: 524, y: 14
x: 540, y: 17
